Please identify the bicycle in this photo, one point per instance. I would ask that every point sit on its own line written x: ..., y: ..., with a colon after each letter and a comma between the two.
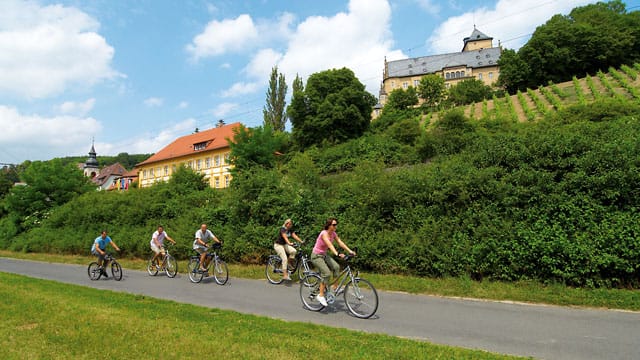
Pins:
x: 95, y: 271
x: 359, y: 294
x: 220, y: 269
x: 300, y: 264
x: 169, y: 265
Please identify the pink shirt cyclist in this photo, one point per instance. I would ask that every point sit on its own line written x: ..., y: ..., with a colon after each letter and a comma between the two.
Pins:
x: 323, y: 261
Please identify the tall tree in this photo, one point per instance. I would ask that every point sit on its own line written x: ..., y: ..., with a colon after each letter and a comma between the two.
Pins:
x: 255, y: 147
x: 591, y: 38
x: 468, y: 91
x: 400, y: 99
x: 333, y: 107
x: 514, y: 72
x: 274, y: 110
x: 432, y: 90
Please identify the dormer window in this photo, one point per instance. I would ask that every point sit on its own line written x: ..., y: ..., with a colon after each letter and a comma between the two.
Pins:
x: 199, y: 146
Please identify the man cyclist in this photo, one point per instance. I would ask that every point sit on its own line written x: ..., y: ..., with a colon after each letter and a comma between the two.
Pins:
x: 157, y: 245
x: 201, y: 244
x: 99, y: 249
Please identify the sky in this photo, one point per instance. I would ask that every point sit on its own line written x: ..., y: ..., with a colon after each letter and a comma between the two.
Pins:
x: 133, y: 75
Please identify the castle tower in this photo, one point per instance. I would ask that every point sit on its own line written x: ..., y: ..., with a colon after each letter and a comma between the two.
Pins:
x: 91, y: 168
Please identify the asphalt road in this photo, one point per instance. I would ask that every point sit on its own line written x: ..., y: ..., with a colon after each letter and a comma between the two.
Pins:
x: 544, y: 332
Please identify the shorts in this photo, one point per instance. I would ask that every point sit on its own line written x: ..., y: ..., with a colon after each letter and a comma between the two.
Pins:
x: 200, y: 249
x: 155, y: 249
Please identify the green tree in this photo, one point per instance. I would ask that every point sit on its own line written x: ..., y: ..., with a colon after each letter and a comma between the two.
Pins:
x: 48, y: 184
x: 400, y: 99
x: 432, y: 90
x: 257, y: 146
x: 185, y: 180
x: 514, y: 72
x: 590, y: 38
x: 333, y: 107
x: 469, y: 91
x: 274, y: 110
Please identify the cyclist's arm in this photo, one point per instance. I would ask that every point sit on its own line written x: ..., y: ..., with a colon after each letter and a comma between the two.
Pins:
x: 343, y: 245
x: 114, y: 245
x: 286, y: 238
x: 155, y: 241
x: 295, y: 236
x: 216, y: 239
x: 170, y: 239
x: 201, y: 243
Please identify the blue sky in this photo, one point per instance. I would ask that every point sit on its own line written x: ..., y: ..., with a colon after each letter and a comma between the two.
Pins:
x: 134, y: 75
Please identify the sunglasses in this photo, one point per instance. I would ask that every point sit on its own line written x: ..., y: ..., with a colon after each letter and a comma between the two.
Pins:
x: 334, y: 224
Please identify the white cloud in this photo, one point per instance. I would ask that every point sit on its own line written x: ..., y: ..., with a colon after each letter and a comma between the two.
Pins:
x: 240, y: 88
x: 151, y: 143
x: 510, y: 21
x: 429, y: 6
x: 183, y: 105
x: 28, y: 137
x: 261, y: 64
x: 153, y: 102
x: 46, y: 49
x: 220, y: 37
x: 223, y: 109
x: 358, y: 39
x: 76, y: 108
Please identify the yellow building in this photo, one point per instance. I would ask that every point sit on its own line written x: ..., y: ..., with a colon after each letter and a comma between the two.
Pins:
x: 206, y: 152
x: 478, y: 59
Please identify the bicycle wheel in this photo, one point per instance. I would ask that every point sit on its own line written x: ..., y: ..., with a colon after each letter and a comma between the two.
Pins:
x: 170, y: 266
x: 94, y: 271
x: 152, y: 269
x: 220, y: 271
x: 273, y: 269
x: 193, y: 268
x: 361, y: 298
x: 309, y: 289
x: 116, y: 270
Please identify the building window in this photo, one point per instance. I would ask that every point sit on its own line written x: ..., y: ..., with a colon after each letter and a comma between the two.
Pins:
x: 226, y: 180
x: 383, y: 98
x: 447, y: 76
x: 150, y: 172
x: 158, y: 169
x: 226, y: 158
x: 462, y: 73
x: 490, y: 75
x: 200, y: 146
x: 480, y: 76
x: 216, y: 182
x: 457, y: 74
x: 416, y: 83
x: 207, y: 162
x: 166, y: 170
x: 405, y: 85
x: 198, y: 164
x: 216, y: 160
x: 173, y: 168
x: 144, y: 174
x: 393, y: 84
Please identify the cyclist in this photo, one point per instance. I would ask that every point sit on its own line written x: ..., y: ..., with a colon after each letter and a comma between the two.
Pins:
x: 201, y: 244
x: 283, y: 246
x: 323, y: 261
x: 157, y: 245
x: 99, y: 249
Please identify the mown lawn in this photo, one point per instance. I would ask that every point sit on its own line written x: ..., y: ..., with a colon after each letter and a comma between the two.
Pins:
x: 44, y: 319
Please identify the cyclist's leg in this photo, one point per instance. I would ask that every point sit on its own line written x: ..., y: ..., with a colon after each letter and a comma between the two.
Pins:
x: 335, y: 269
x: 156, y: 252
x: 161, y: 256
x: 203, y: 255
x: 291, y: 251
x: 282, y: 252
x: 319, y: 262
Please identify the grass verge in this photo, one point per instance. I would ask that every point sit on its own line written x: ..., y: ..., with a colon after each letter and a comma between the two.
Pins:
x: 521, y: 291
x: 47, y: 319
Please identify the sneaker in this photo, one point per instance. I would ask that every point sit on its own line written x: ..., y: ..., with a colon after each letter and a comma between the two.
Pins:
x: 321, y: 300
x: 104, y: 273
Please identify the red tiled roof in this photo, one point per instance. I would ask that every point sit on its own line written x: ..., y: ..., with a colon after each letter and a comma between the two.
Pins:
x: 215, y: 138
x: 111, y: 170
x: 131, y: 173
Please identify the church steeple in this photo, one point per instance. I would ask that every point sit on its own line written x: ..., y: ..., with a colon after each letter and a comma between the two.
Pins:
x: 91, y: 165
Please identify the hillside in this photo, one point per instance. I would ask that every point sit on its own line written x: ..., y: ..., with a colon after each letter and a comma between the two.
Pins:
x: 532, y: 105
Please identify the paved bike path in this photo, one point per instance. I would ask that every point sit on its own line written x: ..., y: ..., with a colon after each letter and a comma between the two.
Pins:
x: 545, y: 332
